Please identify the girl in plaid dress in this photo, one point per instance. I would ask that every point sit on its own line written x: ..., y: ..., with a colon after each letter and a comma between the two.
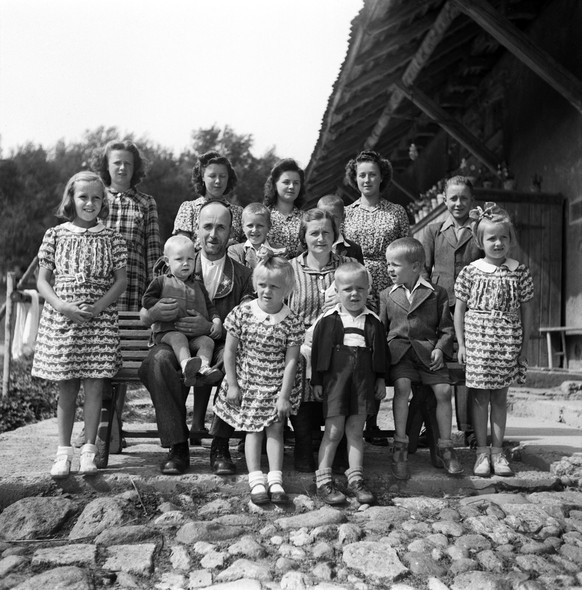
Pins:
x: 493, y: 325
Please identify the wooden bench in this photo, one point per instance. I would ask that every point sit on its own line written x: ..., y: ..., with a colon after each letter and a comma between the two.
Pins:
x: 134, y: 344
x: 134, y: 341
x: 561, y: 332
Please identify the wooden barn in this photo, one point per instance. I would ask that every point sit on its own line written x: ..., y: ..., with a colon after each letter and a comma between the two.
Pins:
x: 487, y: 88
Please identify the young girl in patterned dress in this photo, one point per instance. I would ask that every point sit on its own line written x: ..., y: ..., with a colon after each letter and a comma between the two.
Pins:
x: 493, y: 326
x: 260, y: 390
x: 78, y: 338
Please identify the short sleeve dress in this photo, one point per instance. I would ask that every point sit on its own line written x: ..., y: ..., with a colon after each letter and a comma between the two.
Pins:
x: 82, y: 262
x: 187, y: 219
x: 374, y: 230
x: 260, y: 364
x: 285, y: 231
x: 493, y: 330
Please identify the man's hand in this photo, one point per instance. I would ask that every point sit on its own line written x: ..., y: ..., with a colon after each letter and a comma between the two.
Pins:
x: 318, y: 392
x: 193, y: 324
x: 165, y: 310
x: 436, y: 359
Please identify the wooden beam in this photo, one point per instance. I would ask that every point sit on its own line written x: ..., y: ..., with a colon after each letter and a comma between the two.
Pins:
x: 452, y: 126
x: 422, y: 56
x: 366, y: 16
x: 390, y: 63
x: 385, y: 44
x: 524, y: 49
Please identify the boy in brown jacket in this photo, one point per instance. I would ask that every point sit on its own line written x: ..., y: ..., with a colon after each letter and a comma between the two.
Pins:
x: 420, y: 333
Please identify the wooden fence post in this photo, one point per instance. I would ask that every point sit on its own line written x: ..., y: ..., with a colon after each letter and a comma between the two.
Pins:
x: 10, y: 280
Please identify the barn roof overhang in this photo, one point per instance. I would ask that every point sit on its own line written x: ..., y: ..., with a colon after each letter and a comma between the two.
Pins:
x: 413, y: 70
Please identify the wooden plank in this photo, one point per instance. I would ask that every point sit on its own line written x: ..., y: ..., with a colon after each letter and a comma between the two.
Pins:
x: 524, y: 49
x: 453, y: 127
x: 420, y: 59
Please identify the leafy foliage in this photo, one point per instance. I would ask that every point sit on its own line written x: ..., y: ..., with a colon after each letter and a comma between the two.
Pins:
x: 33, y: 178
x: 28, y: 400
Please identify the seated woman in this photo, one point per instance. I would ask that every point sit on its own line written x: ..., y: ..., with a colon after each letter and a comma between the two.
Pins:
x: 314, y: 274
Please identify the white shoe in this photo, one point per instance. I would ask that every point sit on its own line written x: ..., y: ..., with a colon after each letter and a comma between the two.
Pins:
x: 62, y: 464
x: 87, y: 463
x: 500, y: 465
x: 482, y: 466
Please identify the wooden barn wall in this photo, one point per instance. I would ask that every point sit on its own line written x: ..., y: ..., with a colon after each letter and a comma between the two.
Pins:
x: 543, y: 135
x: 538, y: 223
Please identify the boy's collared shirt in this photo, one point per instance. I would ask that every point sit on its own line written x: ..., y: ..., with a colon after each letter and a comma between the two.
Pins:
x: 458, y: 229
x: 420, y: 282
x: 353, y: 326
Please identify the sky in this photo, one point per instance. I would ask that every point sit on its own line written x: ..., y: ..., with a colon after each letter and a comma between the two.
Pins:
x: 163, y: 68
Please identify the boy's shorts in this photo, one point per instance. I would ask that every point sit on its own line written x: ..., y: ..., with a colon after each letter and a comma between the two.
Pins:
x: 411, y: 367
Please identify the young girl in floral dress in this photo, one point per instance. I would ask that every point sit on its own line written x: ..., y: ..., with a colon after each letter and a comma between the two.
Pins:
x: 493, y: 326
x: 78, y: 337
x: 260, y: 390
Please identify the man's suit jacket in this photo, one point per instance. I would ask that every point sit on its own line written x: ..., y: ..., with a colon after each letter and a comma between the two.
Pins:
x: 424, y: 324
x: 445, y: 257
x: 235, y: 287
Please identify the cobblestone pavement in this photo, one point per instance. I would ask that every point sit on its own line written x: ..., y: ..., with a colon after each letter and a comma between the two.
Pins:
x: 131, y: 527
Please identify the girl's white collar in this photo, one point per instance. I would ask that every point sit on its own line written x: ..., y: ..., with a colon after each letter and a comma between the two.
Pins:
x: 485, y: 266
x: 81, y: 230
x: 274, y: 318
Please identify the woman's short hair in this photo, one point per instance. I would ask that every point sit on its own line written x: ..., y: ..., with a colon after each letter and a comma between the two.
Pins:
x: 257, y: 209
x: 495, y: 215
x: 459, y: 181
x: 317, y: 215
x: 67, y: 210
x: 368, y: 156
x: 270, y: 191
x: 275, y: 264
x: 100, y: 161
x: 410, y: 248
x: 203, y: 162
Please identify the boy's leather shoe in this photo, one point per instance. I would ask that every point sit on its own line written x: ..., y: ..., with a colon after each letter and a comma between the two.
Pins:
x: 330, y: 494
x: 362, y: 494
x: 449, y: 460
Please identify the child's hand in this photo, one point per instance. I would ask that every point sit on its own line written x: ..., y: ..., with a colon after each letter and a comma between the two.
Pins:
x: 380, y: 389
x: 318, y: 392
x: 522, y: 359
x: 75, y: 312
x: 233, y: 395
x: 216, y: 329
x: 462, y: 355
x: 94, y: 310
x: 436, y: 359
x: 283, y: 408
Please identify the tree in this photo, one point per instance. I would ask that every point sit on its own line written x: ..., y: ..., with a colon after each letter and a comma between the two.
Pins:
x: 252, y: 172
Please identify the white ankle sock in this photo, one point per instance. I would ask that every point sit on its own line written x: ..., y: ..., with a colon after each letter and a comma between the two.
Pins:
x: 257, y: 478
x: 275, y: 481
